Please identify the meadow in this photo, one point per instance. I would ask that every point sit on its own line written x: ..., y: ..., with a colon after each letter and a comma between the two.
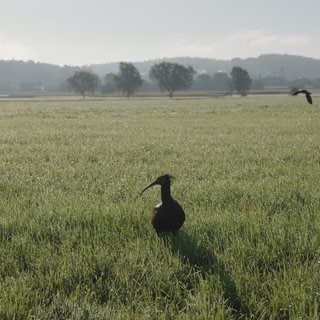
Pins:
x: 76, y: 241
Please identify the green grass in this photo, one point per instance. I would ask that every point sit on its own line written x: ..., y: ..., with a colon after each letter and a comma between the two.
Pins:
x: 77, y: 243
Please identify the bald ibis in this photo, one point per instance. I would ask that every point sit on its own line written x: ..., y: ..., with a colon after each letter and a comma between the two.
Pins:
x: 168, y: 215
x: 306, y: 92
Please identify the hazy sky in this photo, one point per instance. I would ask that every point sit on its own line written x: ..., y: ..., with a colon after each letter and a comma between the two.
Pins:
x: 78, y: 32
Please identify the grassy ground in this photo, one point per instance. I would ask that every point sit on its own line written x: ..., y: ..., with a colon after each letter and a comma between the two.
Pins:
x: 77, y: 243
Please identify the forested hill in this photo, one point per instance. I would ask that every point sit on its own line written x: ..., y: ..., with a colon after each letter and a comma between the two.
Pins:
x: 25, y: 76
x: 22, y: 76
x: 275, y: 65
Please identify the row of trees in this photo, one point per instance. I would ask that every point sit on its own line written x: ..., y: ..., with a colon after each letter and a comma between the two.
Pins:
x: 169, y: 77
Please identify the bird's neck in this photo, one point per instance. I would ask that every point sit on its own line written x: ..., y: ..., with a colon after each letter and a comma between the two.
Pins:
x: 165, y: 193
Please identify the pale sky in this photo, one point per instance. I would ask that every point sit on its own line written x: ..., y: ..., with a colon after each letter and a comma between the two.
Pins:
x: 80, y: 32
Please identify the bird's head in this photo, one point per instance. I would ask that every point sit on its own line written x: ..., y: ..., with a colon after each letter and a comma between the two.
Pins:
x: 162, y: 180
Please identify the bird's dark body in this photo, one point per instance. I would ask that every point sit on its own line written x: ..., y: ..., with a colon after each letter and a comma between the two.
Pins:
x: 307, y: 94
x: 168, y: 216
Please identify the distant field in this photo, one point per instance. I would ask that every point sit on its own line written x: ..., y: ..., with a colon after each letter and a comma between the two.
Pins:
x: 77, y: 243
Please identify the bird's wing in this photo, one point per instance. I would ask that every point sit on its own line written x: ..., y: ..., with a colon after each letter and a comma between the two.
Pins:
x: 308, y: 96
x: 296, y: 93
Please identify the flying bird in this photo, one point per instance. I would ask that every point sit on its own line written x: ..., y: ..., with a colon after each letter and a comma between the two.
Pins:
x: 306, y: 92
x: 168, y: 215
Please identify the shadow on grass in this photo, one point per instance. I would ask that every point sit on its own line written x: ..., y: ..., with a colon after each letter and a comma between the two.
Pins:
x: 204, y: 260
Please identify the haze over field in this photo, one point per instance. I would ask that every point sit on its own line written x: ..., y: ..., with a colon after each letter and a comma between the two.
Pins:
x: 81, y: 32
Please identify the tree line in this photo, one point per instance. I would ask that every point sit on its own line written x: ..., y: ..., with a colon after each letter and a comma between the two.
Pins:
x: 169, y: 77
x: 267, y: 71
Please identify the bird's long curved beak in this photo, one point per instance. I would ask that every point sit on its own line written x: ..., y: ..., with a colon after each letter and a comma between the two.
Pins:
x: 149, y: 186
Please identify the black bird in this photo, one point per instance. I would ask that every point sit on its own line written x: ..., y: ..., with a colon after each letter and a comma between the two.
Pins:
x: 168, y: 215
x: 306, y: 92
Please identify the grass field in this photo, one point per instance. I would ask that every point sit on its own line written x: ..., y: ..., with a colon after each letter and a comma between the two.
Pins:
x: 77, y: 243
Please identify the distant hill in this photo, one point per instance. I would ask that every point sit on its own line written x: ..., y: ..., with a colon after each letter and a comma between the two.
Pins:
x: 25, y: 76
x: 18, y: 76
x: 276, y: 65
